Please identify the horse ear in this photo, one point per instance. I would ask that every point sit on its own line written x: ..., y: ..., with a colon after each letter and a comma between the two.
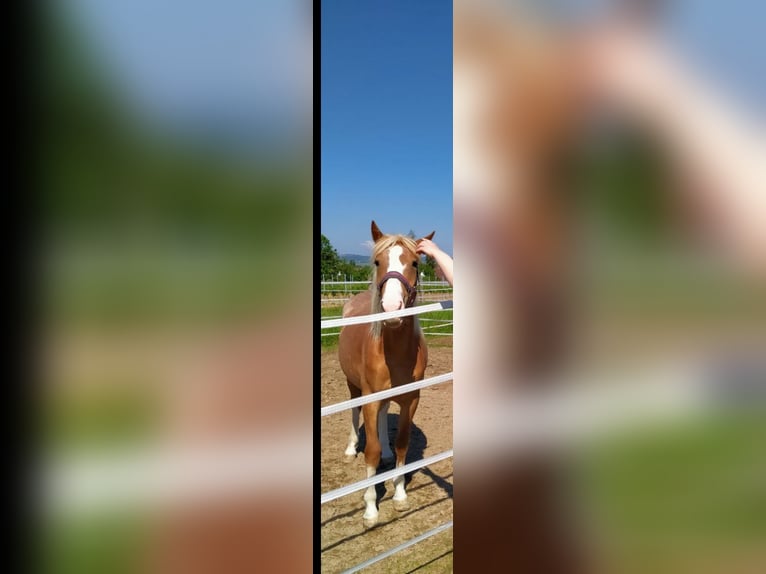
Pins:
x: 376, y: 232
x: 430, y: 235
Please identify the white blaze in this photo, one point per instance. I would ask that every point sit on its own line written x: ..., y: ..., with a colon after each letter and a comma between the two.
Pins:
x: 391, y: 298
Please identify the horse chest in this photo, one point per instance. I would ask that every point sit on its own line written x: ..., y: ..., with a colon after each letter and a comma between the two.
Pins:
x: 393, y: 362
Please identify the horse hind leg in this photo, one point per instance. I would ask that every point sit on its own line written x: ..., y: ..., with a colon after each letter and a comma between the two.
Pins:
x: 386, y: 454
x: 402, y: 444
x: 353, y: 437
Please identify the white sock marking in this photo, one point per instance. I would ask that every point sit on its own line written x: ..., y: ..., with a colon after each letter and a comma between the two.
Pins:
x: 399, y: 493
x: 370, y: 496
x: 353, y: 437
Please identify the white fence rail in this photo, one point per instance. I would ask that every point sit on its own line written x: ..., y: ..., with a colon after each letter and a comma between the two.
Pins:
x: 329, y: 323
x: 337, y: 322
x: 384, y: 476
x: 83, y: 483
x: 403, y: 546
x: 383, y: 395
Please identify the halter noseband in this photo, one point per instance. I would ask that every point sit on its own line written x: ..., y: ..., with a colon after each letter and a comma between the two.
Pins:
x: 411, y: 290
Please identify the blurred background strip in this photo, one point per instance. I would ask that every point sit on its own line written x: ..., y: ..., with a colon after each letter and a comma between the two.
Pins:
x: 174, y: 159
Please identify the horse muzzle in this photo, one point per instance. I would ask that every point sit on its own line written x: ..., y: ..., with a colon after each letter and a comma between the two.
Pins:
x: 411, y: 289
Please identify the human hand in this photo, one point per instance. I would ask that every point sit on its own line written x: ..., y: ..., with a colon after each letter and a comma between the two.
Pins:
x: 427, y: 247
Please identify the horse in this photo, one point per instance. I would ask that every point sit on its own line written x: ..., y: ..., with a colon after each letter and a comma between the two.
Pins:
x: 382, y: 355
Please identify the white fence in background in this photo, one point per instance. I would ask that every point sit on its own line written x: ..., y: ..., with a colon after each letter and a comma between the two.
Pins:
x: 338, y: 292
x: 356, y: 286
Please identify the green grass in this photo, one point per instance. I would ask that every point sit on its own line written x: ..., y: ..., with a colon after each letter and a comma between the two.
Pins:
x: 688, y: 492
x: 113, y: 543
x: 330, y: 336
x: 139, y: 285
x: 435, y: 322
x: 112, y: 417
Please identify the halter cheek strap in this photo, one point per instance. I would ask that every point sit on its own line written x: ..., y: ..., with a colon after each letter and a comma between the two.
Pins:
x: 411, y: 290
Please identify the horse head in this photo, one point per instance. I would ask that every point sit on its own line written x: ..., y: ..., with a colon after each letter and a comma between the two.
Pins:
x: 396, y: 271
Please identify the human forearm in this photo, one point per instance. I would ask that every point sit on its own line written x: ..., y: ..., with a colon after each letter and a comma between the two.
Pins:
x: 444, y: 262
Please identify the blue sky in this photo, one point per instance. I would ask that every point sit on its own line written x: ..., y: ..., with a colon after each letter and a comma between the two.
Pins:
x: 241, y: 64
x: 727, y: 43
x: 386, y: 131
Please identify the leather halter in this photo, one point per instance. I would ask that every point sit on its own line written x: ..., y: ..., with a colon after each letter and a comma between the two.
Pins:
x: 411, y: 289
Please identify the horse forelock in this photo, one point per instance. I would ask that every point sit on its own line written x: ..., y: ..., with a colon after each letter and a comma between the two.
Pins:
x: 388, y: 241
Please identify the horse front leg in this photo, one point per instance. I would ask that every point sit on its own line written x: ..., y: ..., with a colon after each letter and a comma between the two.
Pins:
x: 353, y: 437
x: 407, y: 412
x: 372, y: 452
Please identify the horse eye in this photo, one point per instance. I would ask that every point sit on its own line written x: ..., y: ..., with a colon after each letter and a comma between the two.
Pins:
x: 415, y: 264
x: 377, y: 263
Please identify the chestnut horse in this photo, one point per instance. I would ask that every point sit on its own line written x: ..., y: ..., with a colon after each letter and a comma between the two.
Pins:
x: 384, y: 354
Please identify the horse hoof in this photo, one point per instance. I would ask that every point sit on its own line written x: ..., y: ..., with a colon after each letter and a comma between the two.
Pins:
x: 349, y: 457
x: 370, y: 522
x: 401, y: 505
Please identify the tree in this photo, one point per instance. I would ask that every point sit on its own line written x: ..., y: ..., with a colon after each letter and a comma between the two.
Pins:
x: 330, y: 262
x: 428, y: 268
x: 355, y: 272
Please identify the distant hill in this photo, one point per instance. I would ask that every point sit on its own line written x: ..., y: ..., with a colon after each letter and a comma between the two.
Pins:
x: 355, y: 258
